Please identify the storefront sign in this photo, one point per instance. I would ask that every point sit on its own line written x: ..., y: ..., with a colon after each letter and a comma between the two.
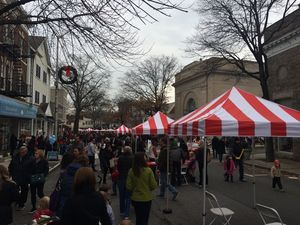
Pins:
x: 52, y: 155
x: 14, y: 108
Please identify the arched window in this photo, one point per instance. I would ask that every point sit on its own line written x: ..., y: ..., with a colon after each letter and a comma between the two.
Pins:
x: 191, y: 105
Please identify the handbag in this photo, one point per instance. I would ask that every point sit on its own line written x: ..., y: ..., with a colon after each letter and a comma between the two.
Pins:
x: 37, y: 178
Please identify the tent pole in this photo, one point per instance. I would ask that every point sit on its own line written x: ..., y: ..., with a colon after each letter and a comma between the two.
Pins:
x: 204, y: 182
x: 253, y: 173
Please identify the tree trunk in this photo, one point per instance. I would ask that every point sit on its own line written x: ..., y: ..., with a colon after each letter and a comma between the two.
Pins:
x: 76, y: 121
x: 270, y: 155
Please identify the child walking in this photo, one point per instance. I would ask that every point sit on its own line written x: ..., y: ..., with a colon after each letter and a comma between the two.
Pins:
x: 43, y: 211
x: 229, y: 168
x: 276, y: 175
x: 104, y: 191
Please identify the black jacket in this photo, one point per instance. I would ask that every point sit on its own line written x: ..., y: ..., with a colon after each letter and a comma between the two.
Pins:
x: 20, y: 168
x: 40, y: 166
x: 124, y: 164
x: 162, y: 159
x: 8, y: 195
x: 200, y: 156
x: 87, y: 208
x: 221, y: 147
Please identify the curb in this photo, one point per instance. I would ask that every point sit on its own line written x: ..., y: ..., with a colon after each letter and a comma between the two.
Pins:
x: 284, y: 172
x: 54, y: 167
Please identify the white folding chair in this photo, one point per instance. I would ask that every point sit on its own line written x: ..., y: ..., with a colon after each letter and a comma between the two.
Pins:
x: 268, y: 215
x: 183, y: 174
x: 224, y: 213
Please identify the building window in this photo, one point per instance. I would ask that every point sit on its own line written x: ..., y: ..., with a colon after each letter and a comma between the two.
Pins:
x: 191, y: 105
x: 45, y: 77
x: 37, y: 97
x: 44, y: 99
x: 38, y: 71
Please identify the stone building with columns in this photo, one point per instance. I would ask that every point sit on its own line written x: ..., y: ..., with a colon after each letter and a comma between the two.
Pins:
x: 283, y: 50
x: 201, y: 81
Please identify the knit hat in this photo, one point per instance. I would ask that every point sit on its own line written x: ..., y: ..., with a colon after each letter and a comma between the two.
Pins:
x: 276, y: 162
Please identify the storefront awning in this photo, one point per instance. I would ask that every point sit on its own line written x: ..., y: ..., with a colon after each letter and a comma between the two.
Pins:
x: 13, y: 108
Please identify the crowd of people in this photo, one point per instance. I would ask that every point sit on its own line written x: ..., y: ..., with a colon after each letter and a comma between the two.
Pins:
x: 131, y: 168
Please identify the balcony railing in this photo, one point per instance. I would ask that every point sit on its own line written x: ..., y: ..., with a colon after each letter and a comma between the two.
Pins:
x: 14, y: 88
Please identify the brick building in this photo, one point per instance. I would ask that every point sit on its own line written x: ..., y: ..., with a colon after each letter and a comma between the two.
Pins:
x: 15, y: 114
x: 283, y: 50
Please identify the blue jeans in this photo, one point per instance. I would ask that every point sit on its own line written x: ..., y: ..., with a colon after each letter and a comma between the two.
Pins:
x: 164, y: 184
x: 124, y: 196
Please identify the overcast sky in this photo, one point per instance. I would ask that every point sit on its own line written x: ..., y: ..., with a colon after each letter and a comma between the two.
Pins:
x: 166, y: 37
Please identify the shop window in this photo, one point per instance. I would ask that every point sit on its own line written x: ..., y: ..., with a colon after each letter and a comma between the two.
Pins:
x: 25, y: 127
x: 4, y: 135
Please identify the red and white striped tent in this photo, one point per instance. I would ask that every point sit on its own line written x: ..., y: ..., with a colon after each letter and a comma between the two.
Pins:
x: 155, y: 125
x: 239, y: 113
x: 123, y: 130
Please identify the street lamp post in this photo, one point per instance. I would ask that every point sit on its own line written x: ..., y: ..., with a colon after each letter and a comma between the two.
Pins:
x: 56, y: 89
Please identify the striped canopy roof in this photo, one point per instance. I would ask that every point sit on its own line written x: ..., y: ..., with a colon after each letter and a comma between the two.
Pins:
x: 239, y: 113
x: 123, y: 130
x: 155, y: 125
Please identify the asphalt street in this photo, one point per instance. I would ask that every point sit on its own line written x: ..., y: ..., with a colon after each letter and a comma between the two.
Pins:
x: 187, y: 209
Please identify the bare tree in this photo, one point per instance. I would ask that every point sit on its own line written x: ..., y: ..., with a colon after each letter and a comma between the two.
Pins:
x: 97, y: 109
x: 149, y: 80
x: 113, y: 22
x: 89, y: 89
x: 237, y: 30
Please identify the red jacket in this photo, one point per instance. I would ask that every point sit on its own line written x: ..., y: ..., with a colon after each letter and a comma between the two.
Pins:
x: 229, y: 169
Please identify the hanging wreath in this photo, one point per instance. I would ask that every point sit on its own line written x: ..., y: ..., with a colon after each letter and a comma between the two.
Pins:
x: 67, y: 74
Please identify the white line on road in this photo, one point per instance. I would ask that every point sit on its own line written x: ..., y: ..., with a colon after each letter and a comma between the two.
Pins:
x: 257, y: 175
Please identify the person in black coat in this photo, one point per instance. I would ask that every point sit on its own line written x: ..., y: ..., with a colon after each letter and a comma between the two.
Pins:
x: 31, y: 146
x: 105, y: 155
x: 20, y: 170
x: 124, y: 164
x: 221, y: 149
x: 13, y: 142
x: 214, y: 146
x: 39, y: 169
x: 8, y: 195
x: 86, y: 206
x: 238, y: 154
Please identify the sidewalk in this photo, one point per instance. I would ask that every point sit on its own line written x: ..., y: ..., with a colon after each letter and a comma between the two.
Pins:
x: 52, y: 164
x: 288, y: 167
